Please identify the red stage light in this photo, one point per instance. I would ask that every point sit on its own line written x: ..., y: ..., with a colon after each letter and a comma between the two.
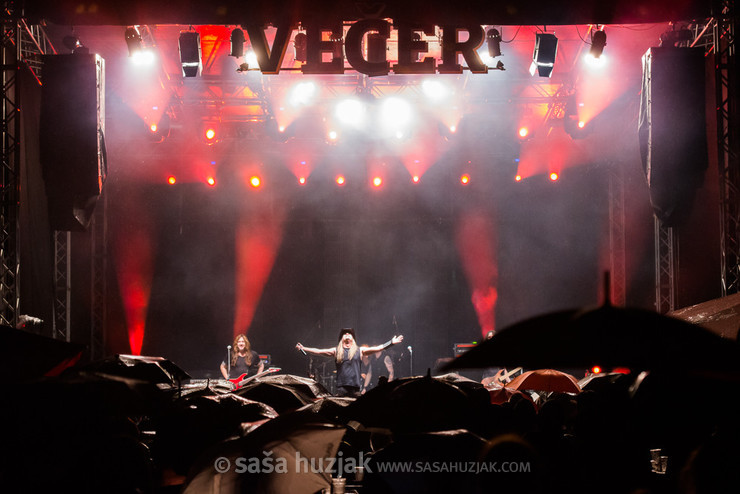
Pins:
x: 523, y: 132
x: 581, y: 124
x: 518, y: 178
x: 171, y: 180
x: 255, y: 182
x: 465, y: 179
x: 377, y: 181
x: 211, y: 181
x: 554, y: 176
x: 153, y: 127
x: 210, y: 134
x: 302, y: 180
x: 596, y: 369
x: 340, y: 180
x: 415, y: 178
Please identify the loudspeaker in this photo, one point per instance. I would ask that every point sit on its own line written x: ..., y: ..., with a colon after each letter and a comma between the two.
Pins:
x: 544, y: 55
x: 672, y: 129
x: 72, y: 129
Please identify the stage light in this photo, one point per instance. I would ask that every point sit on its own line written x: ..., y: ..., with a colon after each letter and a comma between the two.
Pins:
x: 133, y: 40
x: 153, y: 127
x: 332, y: 135
x: 598, y: 42
x: 523, y: 132
x: 435, y: 90
x: 545, y: 51
x: 350, y: 112
x: 465, y: 179
x: 302, y: 180
x: 554, y: 176
x: 171, y: 180
x: 237, y: 43
x: 251, y: 59
x: 299, y: 44
x: 189, y: 43
x: 415, y: 179
x: 340, y: 180
x: 302, y: 94
x: 255, y: 182
x: 595, y: 369
x: 377, y: 181
x: 518, y: 178
x: 581, y: 124
x: 494, y: 43
x: 396, y: 112
x: 210, y: 135
x: 211, y: 181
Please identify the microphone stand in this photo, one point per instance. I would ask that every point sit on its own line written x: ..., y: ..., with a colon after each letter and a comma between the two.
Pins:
x: 411, y: 361
x: 228, y: 359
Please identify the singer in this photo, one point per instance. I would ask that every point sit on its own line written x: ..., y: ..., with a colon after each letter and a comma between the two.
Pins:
x: 245, y: 362
x: 348, y: 357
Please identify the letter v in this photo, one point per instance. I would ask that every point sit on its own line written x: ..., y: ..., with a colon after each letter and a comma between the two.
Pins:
x: 269, y: 60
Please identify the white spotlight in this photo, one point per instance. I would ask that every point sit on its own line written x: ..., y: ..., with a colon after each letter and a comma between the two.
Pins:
x: 143, y: 57
x: 350, y: 112
x: 434, y: 90
x: 251, y: 59
x: 396, y: 112
x: 302, y: 94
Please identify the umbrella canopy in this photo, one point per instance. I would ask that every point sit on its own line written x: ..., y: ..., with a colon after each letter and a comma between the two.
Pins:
x: 288, y: 447
x: 308, y: 388
x: 501, y: 395
x: 721, y: 315
x: 25, y: 355
x: 281, y: 398
x: 606, y: 336
x: 549, y: 380
x: 419, y: 404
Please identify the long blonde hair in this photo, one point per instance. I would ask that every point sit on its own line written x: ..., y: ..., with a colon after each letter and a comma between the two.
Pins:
x: 340, y: 351
x: 247, y: 349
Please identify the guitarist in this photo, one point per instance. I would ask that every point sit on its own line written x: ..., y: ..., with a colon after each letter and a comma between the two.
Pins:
x: 245, y: 362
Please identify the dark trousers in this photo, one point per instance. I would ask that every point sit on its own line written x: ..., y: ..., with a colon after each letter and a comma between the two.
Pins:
x: 349, y: 391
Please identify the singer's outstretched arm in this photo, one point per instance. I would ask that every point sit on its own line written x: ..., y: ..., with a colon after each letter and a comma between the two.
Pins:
x: 326, y: 352
x: 379, y: 348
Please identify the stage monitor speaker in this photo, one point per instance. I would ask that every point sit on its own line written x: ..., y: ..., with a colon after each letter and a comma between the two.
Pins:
x: 672, y: 129
x: 72, y: 130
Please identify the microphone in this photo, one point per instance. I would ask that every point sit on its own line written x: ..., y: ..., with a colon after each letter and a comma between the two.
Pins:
x: 303, y: 351
x: 228, y: 347
x: 409, y: 349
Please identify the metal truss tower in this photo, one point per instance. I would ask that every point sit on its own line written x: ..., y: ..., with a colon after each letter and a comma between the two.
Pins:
x: 22, y: 46
x: 727, y: 145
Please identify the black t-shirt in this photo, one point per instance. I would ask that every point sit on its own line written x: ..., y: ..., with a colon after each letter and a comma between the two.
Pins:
x: 241, y: 366
x: 348, y: 371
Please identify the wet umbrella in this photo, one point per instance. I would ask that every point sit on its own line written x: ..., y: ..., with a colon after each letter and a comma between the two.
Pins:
x: 156, y: 370
x: 280, y: 456
x: 308, y: 388
x: 549, y: 380
x: 606, y: 336
x: 419, y: 404
x: 281, y: 398
x: 25, y: 355
x: 501, y: 395
x: 443, y: 461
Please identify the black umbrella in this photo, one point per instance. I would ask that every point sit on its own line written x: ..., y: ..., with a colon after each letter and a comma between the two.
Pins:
x: 281, y: 398
x: 606, y: 336
x: 25, y: 355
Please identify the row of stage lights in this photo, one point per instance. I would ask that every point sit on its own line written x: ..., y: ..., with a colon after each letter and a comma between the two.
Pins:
x: 210, y: 134
x: 255, y: 181
x: 543, y: 57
